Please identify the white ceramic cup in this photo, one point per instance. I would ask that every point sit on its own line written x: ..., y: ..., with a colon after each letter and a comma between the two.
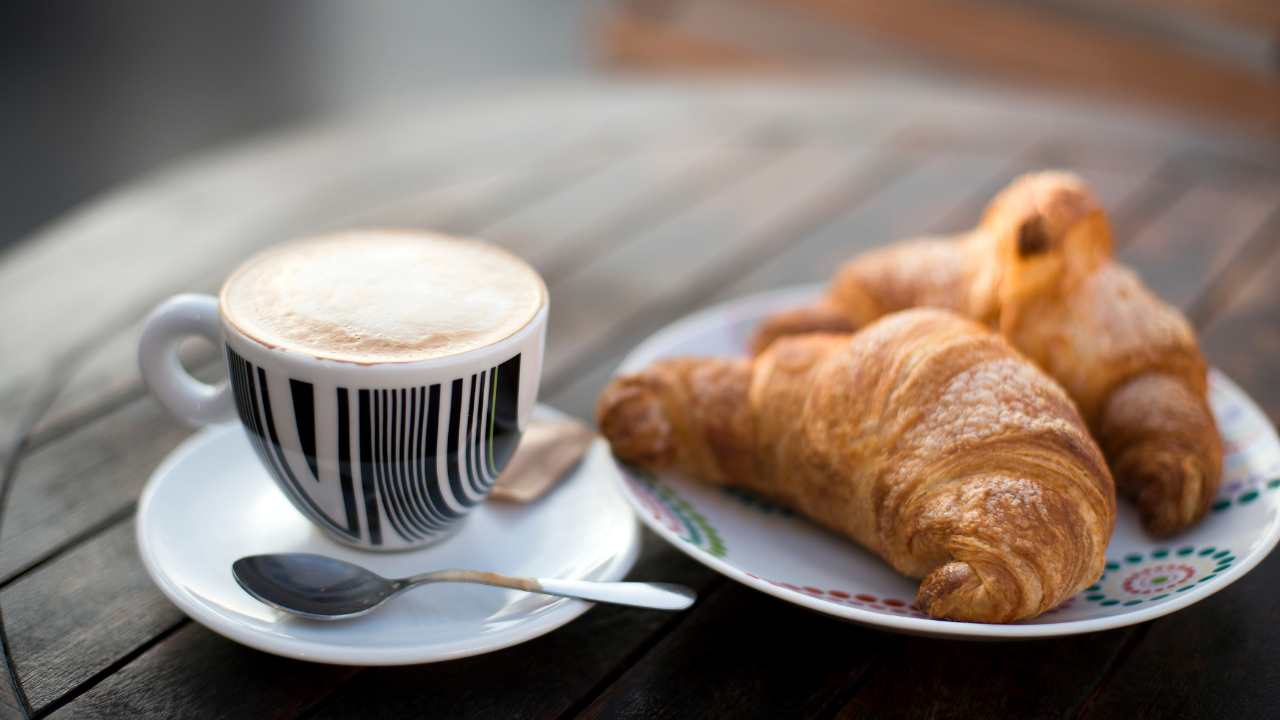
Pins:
x: 382, y: 456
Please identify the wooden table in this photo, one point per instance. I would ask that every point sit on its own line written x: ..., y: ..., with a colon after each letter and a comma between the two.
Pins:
x: 639, y: 204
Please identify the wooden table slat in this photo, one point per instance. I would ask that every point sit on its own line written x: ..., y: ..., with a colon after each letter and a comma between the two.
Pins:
x: 72, y: 619
x: 161, y: 221
x: 660, y: 271
x: 179, y: 673
x: 957, y: 693
x: 527, y: 207
x: 74, y: 505
x: 939, y: 679
x: 106, y: 373
x: 70, y: 509
x: 58, y: 507
x: 80, y: 483
x: 639, y: 207
x: 229, y: 681
x: 884, y: 211
x: 925, y: 189
x: 744, y: 654
x: 1217, y: 657
x: 1181, y: 254
x: 70, y: 487
x: 916, y: 203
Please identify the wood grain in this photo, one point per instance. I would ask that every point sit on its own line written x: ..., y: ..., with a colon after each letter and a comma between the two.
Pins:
x: 70, y: 620
x: 542, y: 678
x: 647, y: 226
x: 921, y: 200
x: 58, y: 504
x: 744, y: 654
x: 922, y: 678
x: 194, y: 668
x: 174, y: 232
x: 550, y: 212
x: 892, y: 207
x: 1036, y: 45
x: 62, y: 507
x: 665, y: 270
x: 162, y: 221
x: 73, y: 486
x: 27, y: 403
x: 104, y: 373
x: 1217, y: 657
x: 1191, y: 241
x: 83, y: 481
x: 1014, y: 685
x: 636, y: 192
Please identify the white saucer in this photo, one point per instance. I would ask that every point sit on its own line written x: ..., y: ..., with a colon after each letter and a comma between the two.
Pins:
x: 211, y: 502
x: 780, y: 553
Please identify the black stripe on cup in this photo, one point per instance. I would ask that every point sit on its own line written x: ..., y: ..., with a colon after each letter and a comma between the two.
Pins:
x: 253, y: 403
x: 423, y: 455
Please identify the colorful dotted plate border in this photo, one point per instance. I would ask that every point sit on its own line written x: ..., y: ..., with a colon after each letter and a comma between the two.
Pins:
x: 1137, y: 579
x: 675, y: 513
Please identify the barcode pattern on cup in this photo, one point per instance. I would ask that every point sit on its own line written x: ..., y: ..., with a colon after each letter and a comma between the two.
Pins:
x: 416, y: 461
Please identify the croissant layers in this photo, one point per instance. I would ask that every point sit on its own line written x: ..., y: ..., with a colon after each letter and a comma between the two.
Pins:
x: 925, y: 438
x: 1039, y: 269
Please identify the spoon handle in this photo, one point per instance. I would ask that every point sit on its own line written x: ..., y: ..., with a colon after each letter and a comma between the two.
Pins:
x: 660, y: 596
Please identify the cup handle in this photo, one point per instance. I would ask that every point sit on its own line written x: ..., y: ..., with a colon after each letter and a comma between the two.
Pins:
x: 180, y: 317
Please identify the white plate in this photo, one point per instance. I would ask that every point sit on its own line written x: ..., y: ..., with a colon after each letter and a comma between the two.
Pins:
x: 211, y: 502
x: 773, y: 550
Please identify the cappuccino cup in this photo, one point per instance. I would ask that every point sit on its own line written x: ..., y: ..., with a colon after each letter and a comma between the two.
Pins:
x: 383, y: 377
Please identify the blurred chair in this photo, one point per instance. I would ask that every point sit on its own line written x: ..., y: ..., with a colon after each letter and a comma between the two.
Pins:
x: 1214, y: 58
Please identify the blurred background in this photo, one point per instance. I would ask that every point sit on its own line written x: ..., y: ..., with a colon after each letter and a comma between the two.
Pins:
x: 98, y: 93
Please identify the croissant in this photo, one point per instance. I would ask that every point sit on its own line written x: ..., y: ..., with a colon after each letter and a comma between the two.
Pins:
x: 924, y: 437
x: 1039, y: 269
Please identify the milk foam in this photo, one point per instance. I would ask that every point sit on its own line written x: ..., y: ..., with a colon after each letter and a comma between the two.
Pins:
x: 382, y: 296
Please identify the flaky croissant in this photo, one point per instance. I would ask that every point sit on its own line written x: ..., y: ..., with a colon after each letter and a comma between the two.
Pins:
x: 1039, y: 269
x: 925, y: 438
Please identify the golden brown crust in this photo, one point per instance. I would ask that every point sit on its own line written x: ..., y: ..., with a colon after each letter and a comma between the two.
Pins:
x: 1039, y: 269
x: 1166, y: 452
x: 923, y: 437
x: 821, y: 317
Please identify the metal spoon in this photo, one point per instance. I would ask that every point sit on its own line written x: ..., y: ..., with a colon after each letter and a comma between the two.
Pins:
x: 325, y: 588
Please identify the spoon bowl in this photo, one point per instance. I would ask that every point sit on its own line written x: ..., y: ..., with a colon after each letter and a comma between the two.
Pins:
x: 314, y: 586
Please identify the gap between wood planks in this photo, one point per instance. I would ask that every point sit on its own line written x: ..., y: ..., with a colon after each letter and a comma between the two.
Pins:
x: 81, y: 688
x: 715, y: 290
x: 954, y: 219
x: 1202, y: 311
x: 1246, y: 260
x: 864, y: 169
x: 528, y: 190
x: 75, y: 692
x: 1113, y: 664
x: 56, y: 379
x: 589, y: 698
x: 1236, y: 273
x: 510, y: 201
x: 691, y: 196
x: 558, y: 265
x: 828, y: 205
x: 43, y: 396
x: 976, y: 198
x: 1139, y: 204
x: 630, y: 659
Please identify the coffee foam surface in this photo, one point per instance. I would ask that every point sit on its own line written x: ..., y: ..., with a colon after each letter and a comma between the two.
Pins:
x: 382, y: 296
